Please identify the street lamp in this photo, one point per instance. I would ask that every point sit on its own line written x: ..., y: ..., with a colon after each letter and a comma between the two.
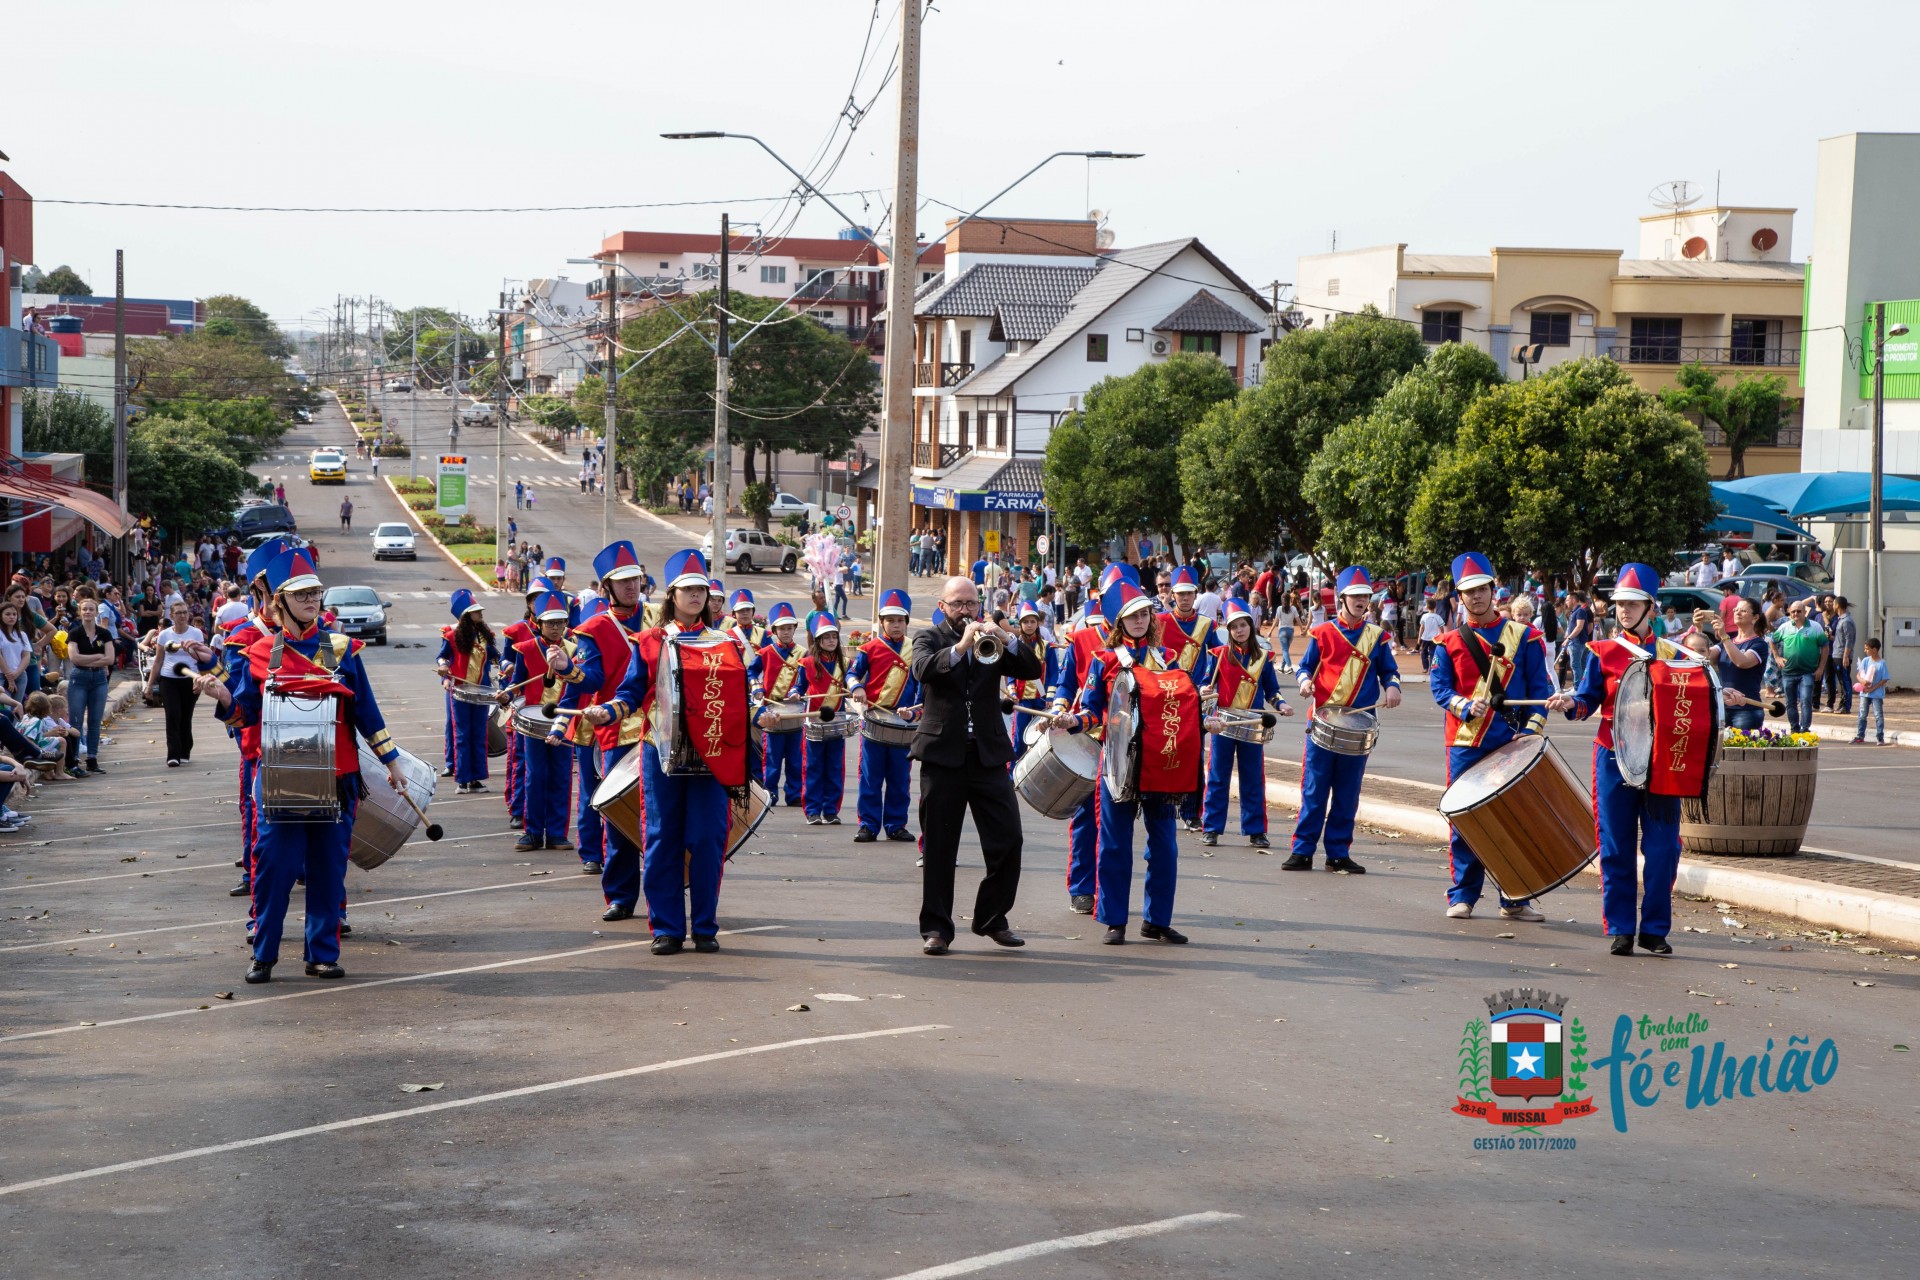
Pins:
x: 1876, y: 598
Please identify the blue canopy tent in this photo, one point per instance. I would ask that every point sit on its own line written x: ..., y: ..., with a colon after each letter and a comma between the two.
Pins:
x: 1808, y: 494
x: 1744, y: 513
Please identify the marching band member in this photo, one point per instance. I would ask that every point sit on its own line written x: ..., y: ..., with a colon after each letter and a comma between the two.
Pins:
x: 1628, y: 816
x: 879, y: 676
x: 1242, y: 674
x: 686, y: 815
x: 603, y: 658
x: 1169, y: 763
x: 467, y: 656
x: 512, y: 634
x: 233, y: 656
x: 1083, y: 829
x: 549, y: 762
x: 303, y: 660
x: 1033, y: 699
x: 716, y: 605
x: 589, y: 832
x: 780, y: 661
x: 1475, y: 664
x: 752, y: 634
x: 1348, y: 663
x: 823, y: 683
x: 1190, y: 634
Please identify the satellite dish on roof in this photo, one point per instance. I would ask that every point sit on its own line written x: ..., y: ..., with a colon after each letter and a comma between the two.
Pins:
x: 1695, y: 247
x: 1096, y: 215
x: 1675, y: 195
x: 1765, y: 238
x: 1103, y: 239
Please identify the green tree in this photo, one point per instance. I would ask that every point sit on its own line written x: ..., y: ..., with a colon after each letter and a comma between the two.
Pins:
x: 651, y: 450
x: 65, y: 281
x: 209, y: 366
x: 1106, y: 471
x: 556, y: 413
x: 1567, y: 471
x: 248, y: 426
x: 245, y: 320
x: 179, y: 469
x: 443, y: 337
x: 1747, y: 412
x: 1243, y: 472
x: 1368, y: 471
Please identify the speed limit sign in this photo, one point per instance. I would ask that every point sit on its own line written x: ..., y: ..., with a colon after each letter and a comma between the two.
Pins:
x: 1040, y: 544
x: 843, y: 512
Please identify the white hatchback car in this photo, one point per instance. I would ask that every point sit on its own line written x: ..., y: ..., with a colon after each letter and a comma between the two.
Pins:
x: 393, y: 541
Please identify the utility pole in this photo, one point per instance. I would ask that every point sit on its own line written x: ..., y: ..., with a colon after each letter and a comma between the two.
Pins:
x: 413, y: 402
x: 120, y: 405
x: 722, y: 451
x: 896, y: 431
x: 1874, y: 512
x: 500, y: 438
x: 609, y: 433
x: 453, y: 388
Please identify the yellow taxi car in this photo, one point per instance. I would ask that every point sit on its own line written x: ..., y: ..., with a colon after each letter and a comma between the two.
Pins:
x: 327, y: 466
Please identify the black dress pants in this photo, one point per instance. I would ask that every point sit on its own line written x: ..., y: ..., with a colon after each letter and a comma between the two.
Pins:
x: 178, y: 696
x: 946, y: 793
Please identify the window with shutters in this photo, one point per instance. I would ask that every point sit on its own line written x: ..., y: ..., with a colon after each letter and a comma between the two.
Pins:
x: 1440, y: 326
x: 1552, y: 328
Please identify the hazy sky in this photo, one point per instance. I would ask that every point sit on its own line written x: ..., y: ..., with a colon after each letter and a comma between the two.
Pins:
x: 1267, y: 126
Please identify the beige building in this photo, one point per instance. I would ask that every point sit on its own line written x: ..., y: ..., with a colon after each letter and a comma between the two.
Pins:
x: 1715, y: 285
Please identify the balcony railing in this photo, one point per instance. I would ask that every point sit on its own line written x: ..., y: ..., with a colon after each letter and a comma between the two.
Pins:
x: 29, y: 360
x: 1784, y: 437
x: 1675, y: 353
x: 938, y: 457
x: 626, y: 286
x: 941, y: 375
x: 826, y: 289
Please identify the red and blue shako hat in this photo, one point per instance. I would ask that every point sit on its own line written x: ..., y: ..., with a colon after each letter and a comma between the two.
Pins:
x: 464, y: 603
x: 1119, y: 572
x: 822, y: 623
x: 539, y: 587
x: 718, y: 587
x: 1471, y: 569
x: 1354, y: 581
x: 687, y: 569
x: 742, y: 599
x: 265, y: 554
x: 781, y: 615
x: 1183, y: 579
x: 293, y: 571
x: 1233, y: 611
x: 895, y: 604
x: 617, y: 560
x: 550, y: 606
x: 1123, y: 598
x: 1636, y: 582
x: 556, y: 567
x: 1028, y: 609
x: 593, y: 608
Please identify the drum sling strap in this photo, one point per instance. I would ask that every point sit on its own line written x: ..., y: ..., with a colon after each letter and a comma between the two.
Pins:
x: 349, y: 786
x: 1516, y: 717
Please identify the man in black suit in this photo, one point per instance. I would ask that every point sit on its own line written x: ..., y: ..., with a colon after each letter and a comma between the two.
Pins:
x: 963, y: 750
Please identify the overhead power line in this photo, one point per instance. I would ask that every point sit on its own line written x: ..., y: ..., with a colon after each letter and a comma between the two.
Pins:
x: 537, y: 208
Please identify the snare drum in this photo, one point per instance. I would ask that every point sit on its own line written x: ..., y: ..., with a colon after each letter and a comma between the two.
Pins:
x: 1057, y: 773
x: 385, y: 821
x: 1243, y: 725
x: 784, y: 717
x: 844, y: 725
x: 532, y: 720
x: 617, y: 799
x: 1344, y: 731
x: 497, y: 721
x: 473, y: 694
x: 1525, y: 816
x: 887, y: 727
x: 296, y: 759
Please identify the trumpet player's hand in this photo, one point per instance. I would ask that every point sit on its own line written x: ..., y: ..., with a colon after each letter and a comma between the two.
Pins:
x: 598, y: 715
x: 1390, y: 697
x: 1560, y: 702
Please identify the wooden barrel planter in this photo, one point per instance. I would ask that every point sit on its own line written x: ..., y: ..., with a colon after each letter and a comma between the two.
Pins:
x: 1757, y: 802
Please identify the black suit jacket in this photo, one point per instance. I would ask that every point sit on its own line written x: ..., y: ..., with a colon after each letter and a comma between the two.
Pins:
x: 948, y: 691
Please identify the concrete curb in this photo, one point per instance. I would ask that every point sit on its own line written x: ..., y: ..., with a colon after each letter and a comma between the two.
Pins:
x: 120, y: 700
x: 1840, y: 733
x: 413, y: 518
x: 1885, y: 915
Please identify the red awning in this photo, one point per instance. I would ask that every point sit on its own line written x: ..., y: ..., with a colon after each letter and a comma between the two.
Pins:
x: 96, y: 508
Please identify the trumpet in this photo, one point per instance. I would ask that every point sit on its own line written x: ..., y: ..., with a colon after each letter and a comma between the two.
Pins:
x: 987, y: 649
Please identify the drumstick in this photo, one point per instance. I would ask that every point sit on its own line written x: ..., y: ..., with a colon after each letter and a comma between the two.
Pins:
x: 434, y: 831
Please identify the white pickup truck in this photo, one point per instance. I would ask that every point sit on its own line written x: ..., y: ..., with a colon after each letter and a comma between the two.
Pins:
x: 475, y: 411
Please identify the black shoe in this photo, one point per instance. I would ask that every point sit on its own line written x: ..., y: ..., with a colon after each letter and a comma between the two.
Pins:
x: 300, y: 882
x: 1259, y: 842
x: 1622, y: 944
x: 249, y: 939
x: 902, y: 835
x: 1347, y: 865
x: 1297, y: 862
x: 590, y: 868
x: 346, y: 930
x: 517, y: 824
x: 1189, y: 824
x: 1209, y: 837
x: 617, y: 912
x: 242, y: 889
x: 865, y: 835
x: 1116, y: 934
x: 526, y: 844
x: 933, y: 944
x: 1081, y: 903
x: 1005, y: 937
x: 240, y: 862
x: 705, y: 946
x: 831, y: 819
x: 260, y: 971
x: 814, y: 819
x: 1162, y: 933
x: 564, y: 846
x: 477, y: 787
x: 1656, y: 944
x: 325, y: 969
x: 447, y: 772
x: 666, y: 945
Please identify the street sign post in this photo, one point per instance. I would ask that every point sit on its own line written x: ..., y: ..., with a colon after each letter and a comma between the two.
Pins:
x: 1041, y: 544
x: 450, y: 488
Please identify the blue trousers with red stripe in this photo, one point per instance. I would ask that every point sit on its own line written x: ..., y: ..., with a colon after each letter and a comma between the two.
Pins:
x: 620, y: 859
x: 1114, y: 861
x: 1329, y: 798
x: 785, y: 752
x: 549, y: 792
x: 823, y: 777
x: 516, y: 776
x: 249, y: 824
x: 316, y: 851
x: 1631, y: 822
x: 885, y: 772
x: 1225, y: 757
x: 686, y: 829
x: 1083, y: 843
x: 469, y: 723
x: 588, y: 829
x: 1469, y: 876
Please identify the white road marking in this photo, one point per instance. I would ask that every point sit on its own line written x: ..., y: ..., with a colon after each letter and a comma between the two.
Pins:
x: 1022, y: 1253
x: 356, y: 986
x: 503, y: 1095
x: 76, y: 939
x: 124, y: 875
x: 1865, y: 768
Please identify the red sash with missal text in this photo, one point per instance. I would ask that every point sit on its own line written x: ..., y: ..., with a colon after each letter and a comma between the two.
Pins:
x: 1169, y: 717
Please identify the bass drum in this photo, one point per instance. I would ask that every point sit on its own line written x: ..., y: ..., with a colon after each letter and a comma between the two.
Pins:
x: 1056, y: 774
x: 1637, y: 740
x: 385, y: 820
x: 1120, y: 758
x: 1525, y: 816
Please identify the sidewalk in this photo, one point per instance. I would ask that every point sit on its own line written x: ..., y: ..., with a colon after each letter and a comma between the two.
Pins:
x: 1826, y: 889
x: 1903, y: 721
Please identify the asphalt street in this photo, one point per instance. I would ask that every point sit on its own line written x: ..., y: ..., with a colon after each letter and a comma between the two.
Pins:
x: 1272, y: 1100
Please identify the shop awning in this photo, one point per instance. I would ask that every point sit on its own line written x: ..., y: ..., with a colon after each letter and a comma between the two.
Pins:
x: 95, y: 508
x: 985, y: 484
